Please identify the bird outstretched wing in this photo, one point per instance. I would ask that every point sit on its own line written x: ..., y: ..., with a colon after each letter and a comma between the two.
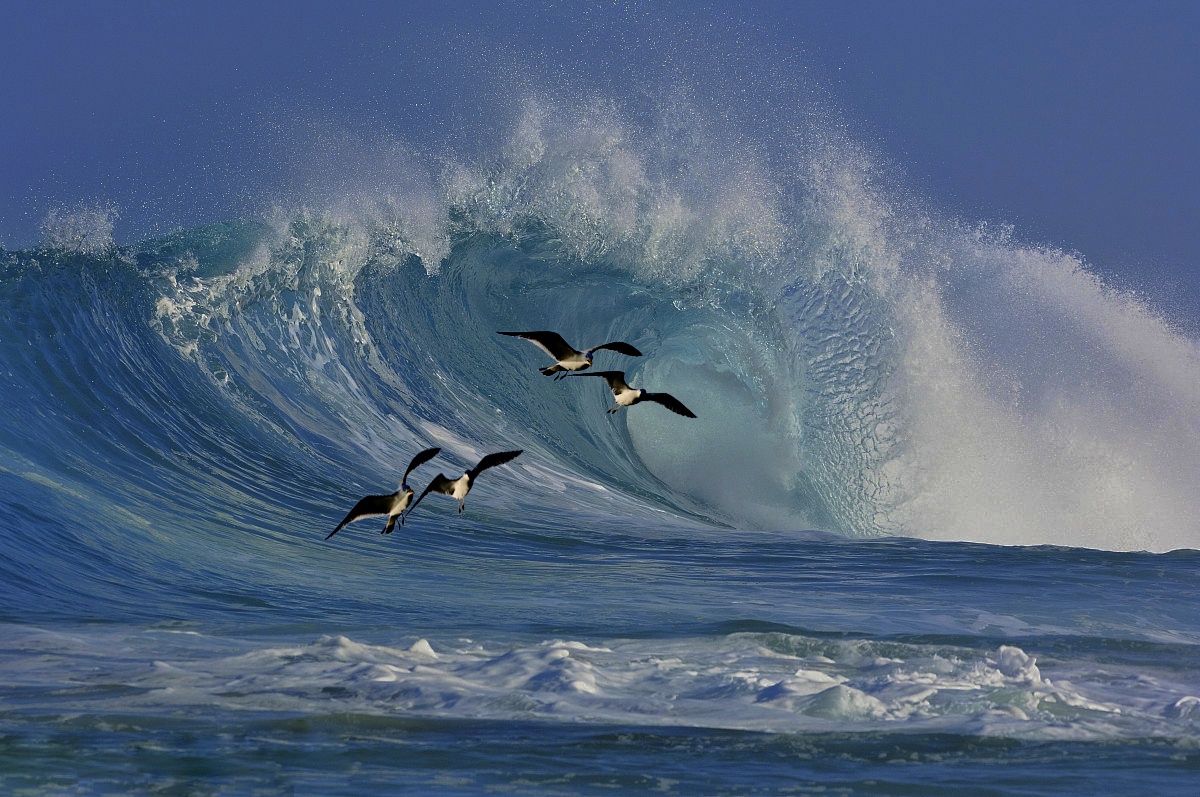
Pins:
x: 550, y: 342
x: 440, y: 484
x: 419, y: 460
x: 371, y: 506
x: 670, y: 402
x: 615, y: 379
x: 491, y: 461
x: 618, y: 346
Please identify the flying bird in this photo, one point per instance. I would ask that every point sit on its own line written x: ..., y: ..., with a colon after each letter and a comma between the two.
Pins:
x: 458, y: 488
x: 391, y: 505
x: 565, y: 356
x: 627, y: 396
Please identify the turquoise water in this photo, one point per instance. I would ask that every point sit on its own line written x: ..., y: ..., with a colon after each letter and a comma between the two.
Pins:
x: 933, y: 528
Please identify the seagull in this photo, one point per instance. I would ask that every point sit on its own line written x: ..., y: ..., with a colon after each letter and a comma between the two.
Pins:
x: 627, y: 396
x: 566, y: 357
x: 391, y: 505
x: 458, y: 488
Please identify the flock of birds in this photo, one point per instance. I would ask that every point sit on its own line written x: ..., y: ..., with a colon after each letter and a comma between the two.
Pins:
x: 567, y: 362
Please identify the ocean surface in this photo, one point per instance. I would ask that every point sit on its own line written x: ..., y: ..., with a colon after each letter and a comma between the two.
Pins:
x: 933, y: 531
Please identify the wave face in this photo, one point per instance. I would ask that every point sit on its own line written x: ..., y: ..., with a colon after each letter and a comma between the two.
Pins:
x: 858, y: 366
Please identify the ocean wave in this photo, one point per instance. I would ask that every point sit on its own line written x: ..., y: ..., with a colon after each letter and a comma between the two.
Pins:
x: 858, y: 366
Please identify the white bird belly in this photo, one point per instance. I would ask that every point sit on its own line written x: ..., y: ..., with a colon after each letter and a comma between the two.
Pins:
x: 576, y: 362
x: 625, y: 397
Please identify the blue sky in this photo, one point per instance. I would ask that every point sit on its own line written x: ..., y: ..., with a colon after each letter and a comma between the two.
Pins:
x: 1076, y: 122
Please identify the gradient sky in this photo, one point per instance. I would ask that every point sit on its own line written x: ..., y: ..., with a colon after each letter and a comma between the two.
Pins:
x: 1076, y: 122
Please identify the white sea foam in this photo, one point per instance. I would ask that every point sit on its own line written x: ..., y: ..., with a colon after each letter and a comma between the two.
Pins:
x: 742, y: 681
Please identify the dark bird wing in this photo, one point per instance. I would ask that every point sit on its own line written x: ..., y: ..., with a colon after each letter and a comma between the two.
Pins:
x: 491, y: 461
x: 419, y: 460
x: 670, y: 402
x: 550, y: 342
x: 618, y: 346
x: 615, y: 379
x: 440, y: 484
x: 371, y: 506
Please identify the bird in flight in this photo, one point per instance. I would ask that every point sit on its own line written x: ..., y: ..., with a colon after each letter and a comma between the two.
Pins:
x: 391, y: 505
x: 627, y: 396
x: 458, y: 488
x: 565, y: 356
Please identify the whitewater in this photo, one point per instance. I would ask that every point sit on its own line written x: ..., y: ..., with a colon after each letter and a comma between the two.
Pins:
x: 933, y: 529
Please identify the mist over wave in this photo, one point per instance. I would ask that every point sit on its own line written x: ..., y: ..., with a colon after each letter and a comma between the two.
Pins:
x: 859, y: 363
